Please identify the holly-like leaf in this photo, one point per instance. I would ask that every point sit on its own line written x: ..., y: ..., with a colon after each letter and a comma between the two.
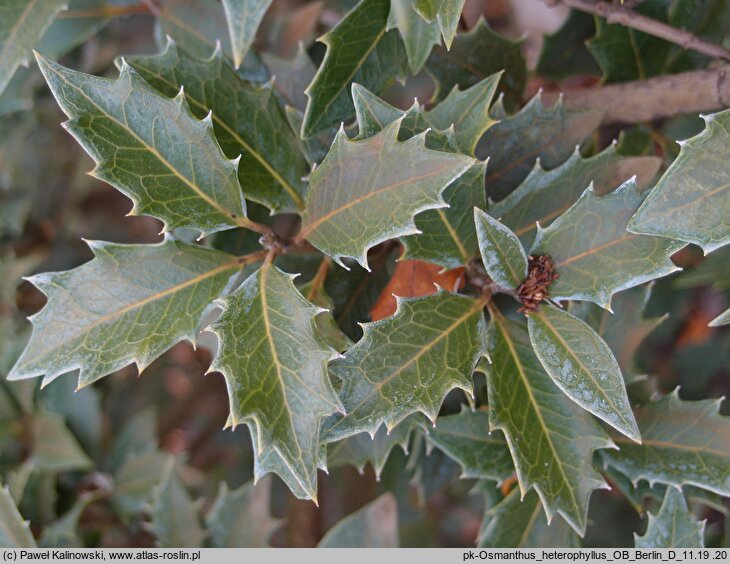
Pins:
x: 674, y: 526
x: 373, y: 526
x: 581, y: 364
x: 519, y: 522
x: 247, y: 120
x: 22, y: 25
x: 243, y: 18
x: 407, y: 363
x: 291, y: 77
x: 63, y: 533
x: 366, y: 192
x: 199, y: 26
x: 475, y: 55
x: 594, y: 255
x: 545, y: 194
x: 465, y: 438
x: 14, y: 530
x: 624, y: 329
x: 325, y: 321
x: 359, y: 49
x: 549, y: 134
x: 55, y: 449
x: 275, y: 365
x: 427, y: 9
x: 462, y: 117
x: 419, y: 35
x: 447, y: 236
x: 135, y: 482
x: 722, y: 319
x: 502, y: 254
x: 110, y: 312
x: 241, y: 518
x: 691, y: 201
x: 448, y: 19
x: 682, y: 443
x: 175, y: 517
x: 362, y: 448
x: 150, y: 148
x: 550, y: 438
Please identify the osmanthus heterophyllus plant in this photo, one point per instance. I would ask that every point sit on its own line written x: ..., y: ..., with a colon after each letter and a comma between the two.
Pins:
x: 556, y: 249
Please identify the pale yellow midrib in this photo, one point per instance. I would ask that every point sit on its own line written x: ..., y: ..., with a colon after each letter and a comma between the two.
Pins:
x: 559, y: 337
x: 232, y: 265
x: 533, y: 400
x: 233, y: 133
x: 151, y: 149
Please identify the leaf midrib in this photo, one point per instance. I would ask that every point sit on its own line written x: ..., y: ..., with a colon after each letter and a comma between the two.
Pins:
x: 293, y: 194
x: 151, y: 149
x: 541, y: 315
x: 521, y: 371
x: 232, y: 265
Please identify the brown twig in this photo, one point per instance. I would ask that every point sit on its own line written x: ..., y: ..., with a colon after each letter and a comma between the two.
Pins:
x: 618, y: 14
x: 655, y: 98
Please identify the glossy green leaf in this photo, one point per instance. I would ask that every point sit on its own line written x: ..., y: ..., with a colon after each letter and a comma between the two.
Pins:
x: 581, y: 364
x: 594, y: 255
x: 407, y: 363
x: 114, y: 295
x: 325, y: 321
x: 247, y: 120
x: 63, y: 533
x: 150, y: 148
x: 274, y: 362
x: 373, y: 526
x: 244, y: 18
x: 22, y: 25
x: 691, y: 201
x: 545, y: 194
x: 475, y: 55
x: 291, y: 77
x: 465, y: 437
x: 626, y: 54
x: 447, y: 236
x: 55, y: 449
x: 549, y: 134
x: 240, y: 518
x: 419, y: 36
x: 682, y: 443
x: 199, y: 27
x: 550, y: 438
x: 674, y: 526
x: 722, y: 319
x: 14, y: 530
x: 564, y: 52
x: 625, y: 328
x: 428, y: 9
x: 463, y: 116
x: 362, y: 448
x: 502, y: 254
x: 366, y: 192
x: 521, y: 523
x: 448, y: 19
x: 358, y: 50
x: 175, y: 516
x: 136, y: 480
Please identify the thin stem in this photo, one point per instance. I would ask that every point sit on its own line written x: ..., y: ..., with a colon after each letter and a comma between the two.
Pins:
x: 253, y: 226
x: 618, y: 14
x: 319, y: 278
x: 245, y: 260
